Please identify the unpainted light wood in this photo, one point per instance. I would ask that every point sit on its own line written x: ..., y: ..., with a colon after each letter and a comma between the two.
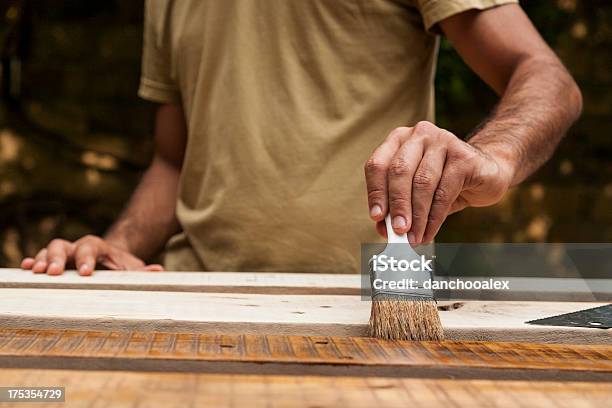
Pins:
x: 118, y: 389
x: 521, y: 288
x: 274, y: 354
x: 274, y: 314
x: 216, y: 282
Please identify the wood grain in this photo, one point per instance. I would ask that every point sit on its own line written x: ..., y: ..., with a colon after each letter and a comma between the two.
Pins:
x: 224, y: 313
x: 521, y: 288
x: 118, y: 389
x: 328, y: 355
x: 215, y: 282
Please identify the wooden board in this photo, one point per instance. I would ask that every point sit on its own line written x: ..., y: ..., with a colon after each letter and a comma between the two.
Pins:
x: 118, y: 389
x: 530, y: 289
x: 216, y: 282
x: 299, y: 355
x: 273, y: 314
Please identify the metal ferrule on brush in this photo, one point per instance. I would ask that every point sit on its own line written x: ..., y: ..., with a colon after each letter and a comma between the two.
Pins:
x: 399, y: 249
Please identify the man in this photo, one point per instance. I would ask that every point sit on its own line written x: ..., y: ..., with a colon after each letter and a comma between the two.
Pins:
x: 269, y: 108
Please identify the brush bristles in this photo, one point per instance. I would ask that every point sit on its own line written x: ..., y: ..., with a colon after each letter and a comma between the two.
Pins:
x: 414, y: 319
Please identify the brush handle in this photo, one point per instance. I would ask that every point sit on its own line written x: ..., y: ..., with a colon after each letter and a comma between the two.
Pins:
x: 392, y: 237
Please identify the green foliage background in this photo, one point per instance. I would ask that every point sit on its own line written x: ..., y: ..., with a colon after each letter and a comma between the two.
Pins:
x: 73, y: 144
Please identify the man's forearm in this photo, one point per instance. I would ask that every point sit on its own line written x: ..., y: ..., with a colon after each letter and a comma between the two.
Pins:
x: 539, y: 104
x: 146, y: 223
x: 149, y: 219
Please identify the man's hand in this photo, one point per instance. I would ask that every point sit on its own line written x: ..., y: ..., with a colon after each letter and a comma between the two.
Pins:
x: 425, y: 173
x: 147, y: 222
x: 422, y: 174
x: 84, y: 254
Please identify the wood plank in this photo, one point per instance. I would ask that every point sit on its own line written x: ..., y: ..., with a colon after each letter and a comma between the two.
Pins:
x: 215, y: 282
x: 296, y: 355
x: 120, y: 389
x: 521, y: 288
x: 273, y: 314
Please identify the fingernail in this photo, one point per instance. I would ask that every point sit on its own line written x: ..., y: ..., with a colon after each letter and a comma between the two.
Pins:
x: 84, y: 268
x: 411, y: 237
x: 399, y: 222
x: 53, y: 266
x: 375, y: 211
x: 39, y: 265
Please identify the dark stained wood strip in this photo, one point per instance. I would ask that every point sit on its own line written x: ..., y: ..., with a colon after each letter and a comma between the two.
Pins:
x: 326, y: 354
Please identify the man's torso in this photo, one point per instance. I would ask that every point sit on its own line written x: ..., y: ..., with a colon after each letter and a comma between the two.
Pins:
x: 284, y: 101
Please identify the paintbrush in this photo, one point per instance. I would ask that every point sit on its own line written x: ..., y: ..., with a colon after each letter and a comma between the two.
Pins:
x: 409, y: 313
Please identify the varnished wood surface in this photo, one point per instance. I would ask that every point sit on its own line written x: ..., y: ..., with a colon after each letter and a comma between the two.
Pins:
x: 276, y: 354
x: 114, y: 389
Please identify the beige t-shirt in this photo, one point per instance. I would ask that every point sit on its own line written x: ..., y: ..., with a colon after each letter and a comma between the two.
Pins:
x: 284, y: 101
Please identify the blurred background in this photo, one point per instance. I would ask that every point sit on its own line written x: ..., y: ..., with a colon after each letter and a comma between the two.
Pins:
x: 74, y: 137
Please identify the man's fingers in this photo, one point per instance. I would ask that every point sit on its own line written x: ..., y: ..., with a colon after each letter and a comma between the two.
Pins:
x: 86, y: 253
x: 400, y: 175
x: 27, y: 263
x: 58, y: 251
x: 86, y: 264
x: 424, y: 184
x: 40, y: 261
x: 376, y: 173
x: 446, y: 194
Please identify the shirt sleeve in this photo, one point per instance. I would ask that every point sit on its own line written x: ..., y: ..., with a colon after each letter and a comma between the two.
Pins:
x: 434, y: 11
x: 157, y: 84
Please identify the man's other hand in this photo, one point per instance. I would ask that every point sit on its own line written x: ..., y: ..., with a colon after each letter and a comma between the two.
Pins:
x: 422, y: 174
x: 84, y: 253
